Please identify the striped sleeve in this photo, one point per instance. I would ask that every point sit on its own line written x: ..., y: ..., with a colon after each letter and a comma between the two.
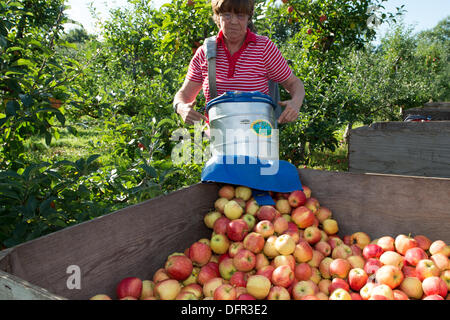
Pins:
x: 195, y: 66
x: 277, y: 67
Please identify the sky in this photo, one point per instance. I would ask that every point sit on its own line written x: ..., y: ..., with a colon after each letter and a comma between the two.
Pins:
x: 421, y: 14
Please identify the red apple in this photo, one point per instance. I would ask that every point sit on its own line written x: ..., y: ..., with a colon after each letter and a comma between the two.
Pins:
x: 280, y: 225
x: 340, y: 268
x: 324, y: 247
x: 412, y: 287
x: 340, y: 294
x: 278, y: 293
x: 239, y: 279
x: 266, y: 271
x: 441, y: 261
x: 225, y: 292
x: 211, y: 285
x: 357, y: 278
x: 423, y: 242
x: 234, y: 248
x: 226, y: 192
x: 261, y: 261
x: 392, y: 258
x: 254, y: 242
x: 266, y: 213
x: 323, y: 213
x: 324, y: 267
x: 167, y: 289
x: 312, y: 234
x: 258, y: 286
x: 282, y: 276
x: 372, y: 265
x: 285, y: 244
x: 246, y: 296
x: 179, y: 267
x: 337, y: 283
x: 303, y: 251
x: 220, y: 225
x: 312, y: 204
x: 403, y: 243
x: 297, y: 198
x: 302, y: 217
x: 208, y: 271
x: 244, y: 260
x: 237, y: 230
x: 434, y: 285
x: 389, y: 275
x: 414, y: 255
x: 307, y: 191
x: 265, y: 228
x: 302, y: 271
x: 283, y: 207
x: 433, y: 297
x: 281, y: 260
x: 334, y: 241
x: 409, y: 271
x: 316, y: 259
x: 251, y: 207
x: 356, y: 261
x: 160, y: 275
x: 210, y: 218
x: 440, y: 246
x: 386, y: 243
x: 227, y: 268
x: 361, y: 239
x: 304, y: 288
x: 220, y: 203
x: 129, y: 287
x: 426, y: 268
x: 372, y: 251
x: 343, y: 251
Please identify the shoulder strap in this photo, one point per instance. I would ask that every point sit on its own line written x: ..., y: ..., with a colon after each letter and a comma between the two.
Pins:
x: 211, y: 51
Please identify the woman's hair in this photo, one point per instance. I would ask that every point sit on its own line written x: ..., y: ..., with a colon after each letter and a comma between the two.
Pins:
x: 236, y: 6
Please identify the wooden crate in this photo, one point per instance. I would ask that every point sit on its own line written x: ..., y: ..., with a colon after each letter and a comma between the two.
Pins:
x: 405, y: 148
x: 136, y: 241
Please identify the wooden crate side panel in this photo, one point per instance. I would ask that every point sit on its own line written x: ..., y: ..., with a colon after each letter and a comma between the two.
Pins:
x: 383, y: 204
x: 417, y: 149
x: 134, y: 241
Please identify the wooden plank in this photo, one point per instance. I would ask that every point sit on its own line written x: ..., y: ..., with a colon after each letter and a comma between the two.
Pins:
x: 14, y: 288
x: 405, y: 148
x: 134, y: 241
x: 384, y: 204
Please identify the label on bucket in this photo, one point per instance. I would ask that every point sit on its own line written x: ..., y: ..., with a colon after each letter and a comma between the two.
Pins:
x: 262, y: 128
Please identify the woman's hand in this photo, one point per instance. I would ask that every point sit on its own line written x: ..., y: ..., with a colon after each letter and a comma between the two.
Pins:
x: 188, y: 114
x: 290, y: 113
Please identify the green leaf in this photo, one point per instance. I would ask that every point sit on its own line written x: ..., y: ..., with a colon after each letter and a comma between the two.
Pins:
x: 11, y: 108
x: 149, y: 170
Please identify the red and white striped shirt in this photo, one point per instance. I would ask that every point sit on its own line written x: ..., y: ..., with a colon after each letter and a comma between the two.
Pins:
x: 249, y: 69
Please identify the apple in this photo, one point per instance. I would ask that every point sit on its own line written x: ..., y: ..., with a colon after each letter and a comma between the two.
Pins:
x: 266, y: 271
x: 322, y: 296
x: 307, y: 191
x: 426, y: 268
x: 312, y: 234
x: 302, y: 217
x: 265, y: 228
x: 392, y: 258
x: 403, y: 243
x: 227, y: 268
x: 439, y: 246
x: 254, y: 242
x: 372, y: 251
x: 220, y: 243
x: 337, y: 283
x: 167, y: 289
x: 244, y: 260
x: 179, y: 267
x: 281, y: 260
x: 366, y: 290
x: 324, y: 267
x: 100, y: 297
x: 239, y: 279
x: 323, y: 18
x: 389, y: 275
x: 211, y: 285
x: 323, y: 247
x: 340, y: 268
x: 194, y: 288
x: 225, y: 292
x: 356, y: 251
x: 330, y: 226
x: 278, y: 293
x: 258, y: 286
x: 246, y: 296
x: 220, y: 203
x: 160, y: 275
x: 283, y: 207
x: 323, y: 213
x: 241, y: 202
x: 147, y: 289
x: 251, y: 206
x: 250, y: 220
x: 128, y: 298
x: 434, y: 285
x: 297, y: 198
x: 267, y: 213
x: 312, y: 204
x: 441, y: 261
x: 324, y: 237
x: 235, y: 247
x: 186, y: 295
x: 386, y: 243
x: 269, y: 247
x: 282, y: 276
x: 445, y: 275
x: 414, y: 255
x: 280, y: 225
x: 324, y: 286
x: 303, y: 251
x: 423, y: 242
x: 316, y: 259
x: 302, y: 271
x: 220, y: 225
x: 343, y: 251
x: 357, y: 278
x: 412, y: 286
x: 210, y: 218
x: 355, y: 296
x: 433, y: 297
x: 208, y: 271
x: 304, y: 288
x: 372, y: 265
x: 294, y: 235
x: 129, y: 287
x: 243, y: 193
x: 237, y: 230
x: 226, y: 192
x: 261, y: 261
x: 334, y: 241
x: 340, y: 294
x: 233, y: 210
x: 285, y: 244
x: 361, y: 239
x: 356, y: 261
x: 384, y: 291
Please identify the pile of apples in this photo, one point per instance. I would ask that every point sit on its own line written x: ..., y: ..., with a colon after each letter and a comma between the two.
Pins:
x: 292, y: 251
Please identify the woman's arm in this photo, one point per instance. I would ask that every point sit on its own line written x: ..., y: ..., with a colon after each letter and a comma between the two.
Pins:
x: 296, y: 89
x: 185, y: 101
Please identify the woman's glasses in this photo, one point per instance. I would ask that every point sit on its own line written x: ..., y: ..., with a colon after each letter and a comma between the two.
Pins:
x: 227, y: 16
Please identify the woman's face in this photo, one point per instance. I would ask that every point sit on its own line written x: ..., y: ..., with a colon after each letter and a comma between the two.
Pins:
x: 234, y: 25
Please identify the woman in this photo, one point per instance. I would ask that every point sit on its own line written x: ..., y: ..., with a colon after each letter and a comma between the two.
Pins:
x: 245, y: 62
